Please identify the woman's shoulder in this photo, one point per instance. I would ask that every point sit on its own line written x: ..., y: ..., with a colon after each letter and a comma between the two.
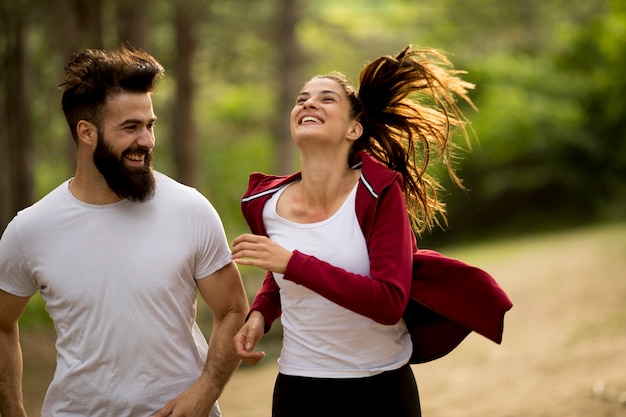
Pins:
x: 262, y: 184
x: 376, y: 176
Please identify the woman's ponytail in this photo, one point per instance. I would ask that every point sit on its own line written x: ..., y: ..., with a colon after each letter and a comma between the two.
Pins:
x: 409, y: 116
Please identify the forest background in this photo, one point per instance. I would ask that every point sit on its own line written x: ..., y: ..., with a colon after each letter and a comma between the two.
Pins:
x: 550, y: 144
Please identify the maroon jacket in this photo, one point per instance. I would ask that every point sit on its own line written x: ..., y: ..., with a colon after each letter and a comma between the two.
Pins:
x: 449, y: 298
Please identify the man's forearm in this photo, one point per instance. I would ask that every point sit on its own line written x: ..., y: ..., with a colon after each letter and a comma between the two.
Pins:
x: 222, y: 359
x: 11, y: 399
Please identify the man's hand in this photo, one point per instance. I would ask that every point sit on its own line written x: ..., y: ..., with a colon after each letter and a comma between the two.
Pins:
x: 191, y: 403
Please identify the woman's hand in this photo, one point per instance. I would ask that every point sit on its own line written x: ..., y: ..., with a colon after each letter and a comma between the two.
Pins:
x: 248, y: 337
x: 260, y: 251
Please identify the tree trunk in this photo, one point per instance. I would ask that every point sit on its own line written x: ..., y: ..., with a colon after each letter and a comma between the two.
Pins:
x: 131, y: 19
x: 185, y: 142
x: 289, y: 80
x: 80, y: 25
x: 18, y: 140
x: 5, y: 31
x: 86, y: 18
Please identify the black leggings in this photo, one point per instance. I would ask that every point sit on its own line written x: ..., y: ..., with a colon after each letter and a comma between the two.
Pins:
x: 390, y: 394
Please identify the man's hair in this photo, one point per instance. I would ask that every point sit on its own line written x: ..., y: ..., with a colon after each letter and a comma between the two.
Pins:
x: 93, y: 75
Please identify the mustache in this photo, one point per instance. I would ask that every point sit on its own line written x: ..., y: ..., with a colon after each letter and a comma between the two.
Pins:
x: 137, y: 149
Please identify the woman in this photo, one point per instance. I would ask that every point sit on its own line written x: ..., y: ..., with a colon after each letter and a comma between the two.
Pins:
x: 337, y: 237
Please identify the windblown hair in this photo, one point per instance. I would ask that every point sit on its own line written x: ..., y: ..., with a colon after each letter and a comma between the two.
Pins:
x: 407, y: 106
x: 93, y: 75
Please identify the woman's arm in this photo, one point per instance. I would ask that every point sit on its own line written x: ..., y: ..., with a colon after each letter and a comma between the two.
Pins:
x: 383, y: 295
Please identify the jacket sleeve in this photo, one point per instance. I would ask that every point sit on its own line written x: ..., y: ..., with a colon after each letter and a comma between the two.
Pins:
x: 267, y: 301
x: 384, y: 294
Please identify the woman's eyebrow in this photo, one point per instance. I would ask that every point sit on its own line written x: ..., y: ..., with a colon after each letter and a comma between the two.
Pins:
x: 307, y: 94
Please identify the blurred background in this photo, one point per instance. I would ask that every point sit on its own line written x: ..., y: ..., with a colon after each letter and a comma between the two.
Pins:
x: 549, y: 152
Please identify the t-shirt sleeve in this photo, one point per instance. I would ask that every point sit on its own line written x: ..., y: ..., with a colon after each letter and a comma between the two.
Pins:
x: 213, y: 252
x: 16, y: 276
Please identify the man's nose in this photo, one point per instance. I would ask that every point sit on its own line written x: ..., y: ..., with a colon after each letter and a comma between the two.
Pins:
x: 146, y: 139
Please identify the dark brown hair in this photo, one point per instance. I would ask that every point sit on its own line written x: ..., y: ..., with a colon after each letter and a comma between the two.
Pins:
x: 407, y: 106
x: 93, y: 75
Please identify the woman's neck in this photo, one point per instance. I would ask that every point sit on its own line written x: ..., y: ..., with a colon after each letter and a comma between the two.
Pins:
x: 326, y: 178
x: 324, y: 187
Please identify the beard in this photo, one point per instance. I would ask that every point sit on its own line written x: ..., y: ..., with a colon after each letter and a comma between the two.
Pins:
x: 134, y: 184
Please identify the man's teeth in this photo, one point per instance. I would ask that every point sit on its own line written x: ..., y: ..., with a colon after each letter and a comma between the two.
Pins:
x: 137, y: 158
x: 311, y: 119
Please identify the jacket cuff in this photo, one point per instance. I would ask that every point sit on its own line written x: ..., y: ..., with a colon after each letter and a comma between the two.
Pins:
x: 296, y: 267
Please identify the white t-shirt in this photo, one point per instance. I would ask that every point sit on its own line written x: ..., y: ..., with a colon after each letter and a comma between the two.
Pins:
x: 320, y: 338
x: 118, y: 281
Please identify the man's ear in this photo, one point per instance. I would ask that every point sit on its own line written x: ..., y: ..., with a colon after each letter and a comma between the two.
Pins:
x: 355, y: 131
x: 87, y: 132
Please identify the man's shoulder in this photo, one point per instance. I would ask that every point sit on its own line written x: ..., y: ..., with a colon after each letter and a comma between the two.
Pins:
x: 166, y: 183
x: 43, y: 214
x: 49, y: 202
x: 176, y: 194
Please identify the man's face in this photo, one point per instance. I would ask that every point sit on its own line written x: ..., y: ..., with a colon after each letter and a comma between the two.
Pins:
x: 123, y: 154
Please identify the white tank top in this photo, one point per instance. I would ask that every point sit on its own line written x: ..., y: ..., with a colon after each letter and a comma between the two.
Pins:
x: 321, y: 338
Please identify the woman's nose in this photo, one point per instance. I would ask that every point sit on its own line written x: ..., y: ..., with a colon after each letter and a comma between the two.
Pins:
x: 309, y: 102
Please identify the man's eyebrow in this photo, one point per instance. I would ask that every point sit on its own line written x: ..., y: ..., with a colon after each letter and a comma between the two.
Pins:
x: 136, y: 121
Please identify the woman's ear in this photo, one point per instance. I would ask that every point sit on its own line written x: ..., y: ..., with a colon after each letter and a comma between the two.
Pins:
x: 355, y: 131
x: 87, y: 133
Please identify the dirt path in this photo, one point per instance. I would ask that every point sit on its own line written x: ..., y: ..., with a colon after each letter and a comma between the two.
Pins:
x: 565, y: 334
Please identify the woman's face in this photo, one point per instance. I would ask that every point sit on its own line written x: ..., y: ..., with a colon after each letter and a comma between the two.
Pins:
x: 321, y: 114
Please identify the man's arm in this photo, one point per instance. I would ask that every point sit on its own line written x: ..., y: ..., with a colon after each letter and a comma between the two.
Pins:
x: 11, y: 399
x: 224, y: 293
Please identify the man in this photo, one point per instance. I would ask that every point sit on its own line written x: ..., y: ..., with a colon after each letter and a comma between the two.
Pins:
x: 118, y: 253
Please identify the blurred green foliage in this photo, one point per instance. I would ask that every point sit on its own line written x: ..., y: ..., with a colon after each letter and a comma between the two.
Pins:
x: 550, y: 146
x: 35, y: 315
